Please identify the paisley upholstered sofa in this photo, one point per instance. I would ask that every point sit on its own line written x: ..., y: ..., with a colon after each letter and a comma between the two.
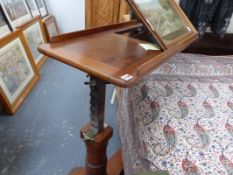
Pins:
x: 180, y: 118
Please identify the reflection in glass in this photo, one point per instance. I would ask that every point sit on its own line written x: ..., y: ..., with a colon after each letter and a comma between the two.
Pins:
x: 163, y: 18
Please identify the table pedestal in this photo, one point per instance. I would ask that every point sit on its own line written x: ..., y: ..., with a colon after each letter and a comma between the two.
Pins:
x: 96, y: 137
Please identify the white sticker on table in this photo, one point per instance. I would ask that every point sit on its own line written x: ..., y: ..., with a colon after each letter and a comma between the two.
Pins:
x: 126, y: 77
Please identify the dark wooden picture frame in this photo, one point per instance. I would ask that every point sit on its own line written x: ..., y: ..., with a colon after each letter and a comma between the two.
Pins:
x: 41, y: 5
x: 32, y: 6
x: 51, y: 27
x: 34, y: 34
x: 15, y: 86
x: 178, y: 15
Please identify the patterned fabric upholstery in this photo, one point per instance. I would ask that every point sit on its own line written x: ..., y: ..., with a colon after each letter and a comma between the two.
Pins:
x: 155, y: 173
x: 180, y: 118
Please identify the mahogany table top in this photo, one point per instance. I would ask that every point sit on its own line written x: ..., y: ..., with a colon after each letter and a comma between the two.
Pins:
x: 108, y: 55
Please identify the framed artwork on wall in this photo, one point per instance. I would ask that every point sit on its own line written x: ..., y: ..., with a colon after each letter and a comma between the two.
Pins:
x: 4, y: 24
x: 18, y: 74
x: 164, y: 19
x: 51, y: 27
x: 33, y: 32
x: 42, y: 8
x: 33, y: 7
x: 16, y: 11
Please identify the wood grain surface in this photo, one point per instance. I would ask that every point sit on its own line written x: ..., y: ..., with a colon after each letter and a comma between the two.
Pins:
x: 108, y: 55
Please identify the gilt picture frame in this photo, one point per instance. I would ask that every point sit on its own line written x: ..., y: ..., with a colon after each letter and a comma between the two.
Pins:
x: 51, y: 27
x: 34, y: 34
x: 42, y: 8
x: 165, y: 21
x: 33, y: 7
x: 17, y: 12
x: 18, y: 73
x: 5, y: 27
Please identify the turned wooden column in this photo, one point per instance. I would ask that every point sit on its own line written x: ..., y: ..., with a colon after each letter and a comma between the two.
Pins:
x: 96, y: 152
x: 95, y: 134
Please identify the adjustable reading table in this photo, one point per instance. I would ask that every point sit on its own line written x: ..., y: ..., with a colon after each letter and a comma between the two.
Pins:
x: 120, y: 54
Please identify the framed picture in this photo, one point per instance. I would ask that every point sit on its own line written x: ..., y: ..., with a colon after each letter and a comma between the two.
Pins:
x: 164, y: 19
x: 17, y: 71
x: 33, y: 32
x: 51, y: 28
x: 33, y: 7
x: 16, y: 11
x: 42, y: 8
x: 4, y: 24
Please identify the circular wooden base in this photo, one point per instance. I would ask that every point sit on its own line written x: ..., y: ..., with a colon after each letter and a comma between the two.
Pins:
x: 78, y: 171
x: 115, y: 166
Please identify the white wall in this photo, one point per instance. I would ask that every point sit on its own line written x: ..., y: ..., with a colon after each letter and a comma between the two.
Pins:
x: 70, y: 14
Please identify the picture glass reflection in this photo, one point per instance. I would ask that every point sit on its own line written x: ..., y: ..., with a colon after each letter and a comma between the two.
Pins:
x: 163, y: 18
